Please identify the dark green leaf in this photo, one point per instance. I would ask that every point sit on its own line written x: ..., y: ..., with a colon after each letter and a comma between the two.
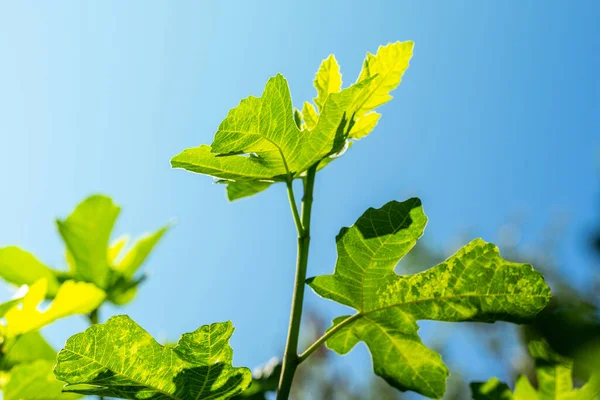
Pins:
x: 120, y: 359
x: 475, y: 284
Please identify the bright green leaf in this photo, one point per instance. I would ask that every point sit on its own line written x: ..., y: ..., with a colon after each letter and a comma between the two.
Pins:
x: 387, y: 68
x: 364, y: 125
x: 141, y: 249
x: 86, y: 233
x: 259, y: 140
x: 72, y: 298
x: 238, y: 190
x: 120, y: 359
x: 27, y: 348
x: 19, y: 267
x: 491, y: 390
x: 35, y: 381
x: 310, y: 115
x: 554, y: 380
x: 475, y: 284
x: 327, y: 80
x: 202, y: 160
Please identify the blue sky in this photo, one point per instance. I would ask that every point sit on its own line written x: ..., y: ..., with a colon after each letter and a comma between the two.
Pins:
x: 497, y: 113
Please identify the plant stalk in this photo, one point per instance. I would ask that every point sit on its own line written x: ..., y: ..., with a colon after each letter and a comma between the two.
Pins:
x: 94, y: 318
x: 290, y: 357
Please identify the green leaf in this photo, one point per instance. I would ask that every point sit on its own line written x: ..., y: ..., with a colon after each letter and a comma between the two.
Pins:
x: 327, y: 80
x: 554, y: 380
x: 260, y: 141
x: 310, y: 115
x: 72, y: 298
x: 491, y: 390
x: 238, y: 190
x: 265, y: 379
x: 27, y: 348
x: 19, y: 267
x: 131, y: 261
x: 120, y: 359
x: 387, y: 68
x: 86, y: 233
x: 364, y: 125
x: 35, y: 381
x: 554, y: 376
x: 475, y: 284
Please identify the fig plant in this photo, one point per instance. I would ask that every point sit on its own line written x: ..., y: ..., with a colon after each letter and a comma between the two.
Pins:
x: 266, y: 141
x: 99, y: 271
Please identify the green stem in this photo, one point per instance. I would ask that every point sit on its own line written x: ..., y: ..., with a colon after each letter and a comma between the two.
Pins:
x: 290, y: 357
x: 94, y: 318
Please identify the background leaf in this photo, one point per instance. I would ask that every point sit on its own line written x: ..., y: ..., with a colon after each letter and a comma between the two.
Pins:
x: 120, y: 359
x: 554, y: 380
x: 19, y: 267
x: 86, y: 232
x: 35, y: 381
x: 72, y: 298
x: 475, y: 284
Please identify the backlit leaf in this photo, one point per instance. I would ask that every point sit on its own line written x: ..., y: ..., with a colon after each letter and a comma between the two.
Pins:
x: 19, y: 267
x: 86, y: 233
x: 262, y: 141
x: 120, y: 359
x: 238, y: 190
x: 387, y: 68
x: 491, y: 390
x: 364, y: 125
x: 310, y: 115
x: 129, y: 263
x: 72, y: 298
x: 554, y: 380
x: 35, y: 381
x: 27, y: 348
x: 327, y: 80
x: 475, y: 284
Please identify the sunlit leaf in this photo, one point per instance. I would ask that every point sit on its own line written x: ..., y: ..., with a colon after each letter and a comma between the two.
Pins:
x: 25, y: 349
x: 86, y: 233
x: 120, y: 359
x: 238, y: 190
x: 554, y: 380
x: 310, y: 115
x: 72, y: 298
x: 364, y: 125
x: 475, y: 284
x: 387, y: 68
x: 327, y: 80
x: 262, y: 140
x: 19, y: 267
x: 491, y: 390
x: 35, y: 381
x: 141, y: 249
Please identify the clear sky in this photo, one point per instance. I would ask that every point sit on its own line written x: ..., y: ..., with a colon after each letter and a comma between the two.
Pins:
x: 498, y: 112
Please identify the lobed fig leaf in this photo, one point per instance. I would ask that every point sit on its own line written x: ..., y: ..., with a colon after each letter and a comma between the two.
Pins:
x: 71, y: 298
x: 35, y: 381
x: 89, y: 254
x: 475, y: 284
x: 263, y: 141
x: 120, y: 359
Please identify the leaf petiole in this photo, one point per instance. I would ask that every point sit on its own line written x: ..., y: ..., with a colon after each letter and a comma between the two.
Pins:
x: 336, y: 328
